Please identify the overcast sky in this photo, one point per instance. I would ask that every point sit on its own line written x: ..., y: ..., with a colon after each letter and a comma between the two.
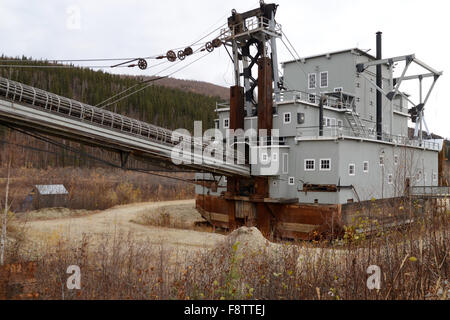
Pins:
x: 115, y: 29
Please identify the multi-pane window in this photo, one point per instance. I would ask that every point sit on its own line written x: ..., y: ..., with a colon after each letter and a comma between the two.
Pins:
x: 312, y: 81
x: 366, y: 166
x: 275, y: 157
x: 390, y: 179
x: 291, y: 181
x: 312, y: 98
x: 287, y: 118
x: 396, y: 160
x: 325, y: 164
x: 324, y: 79
x: 351, y: 169
x: 381, y: 160
x: 226, y: 123
x: 340, y: 89
x: 310, y: 165
x: 264, y: 157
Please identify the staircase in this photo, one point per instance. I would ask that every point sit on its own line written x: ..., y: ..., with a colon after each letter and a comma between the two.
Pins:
x: 355, y: 123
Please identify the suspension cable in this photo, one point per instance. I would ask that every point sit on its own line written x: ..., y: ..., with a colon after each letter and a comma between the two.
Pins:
x: 149, y: 83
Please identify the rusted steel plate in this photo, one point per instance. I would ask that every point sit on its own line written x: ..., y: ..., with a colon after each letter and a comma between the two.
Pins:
x: 297, y: 227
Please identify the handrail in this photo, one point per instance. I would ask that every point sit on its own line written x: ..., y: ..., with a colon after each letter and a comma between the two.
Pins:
x: 52, y: 103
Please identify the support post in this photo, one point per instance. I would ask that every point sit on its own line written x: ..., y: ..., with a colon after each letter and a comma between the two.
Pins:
x: 379, y: 80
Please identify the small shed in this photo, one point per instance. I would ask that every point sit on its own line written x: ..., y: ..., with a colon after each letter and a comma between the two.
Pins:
x: 48, y: 196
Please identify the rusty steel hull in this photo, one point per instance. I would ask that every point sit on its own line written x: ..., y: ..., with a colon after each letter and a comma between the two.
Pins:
x: 308, y: 222
x: 281, y: 220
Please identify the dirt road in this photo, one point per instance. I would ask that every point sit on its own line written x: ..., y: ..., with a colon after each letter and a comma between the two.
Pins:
x: 117, y: 221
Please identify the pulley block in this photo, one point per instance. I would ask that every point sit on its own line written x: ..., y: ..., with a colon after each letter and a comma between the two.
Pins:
x: 142, y: 64
x: 171, y: 56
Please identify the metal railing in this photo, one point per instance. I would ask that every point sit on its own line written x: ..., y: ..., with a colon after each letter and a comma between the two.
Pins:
x: 69, y: 108
x: 430, y: 191
x: 342, y: 131
x: 301, y: 96
x: 249, y: 26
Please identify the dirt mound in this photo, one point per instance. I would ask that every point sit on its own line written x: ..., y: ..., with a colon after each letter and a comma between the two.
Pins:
x: 248, y: 240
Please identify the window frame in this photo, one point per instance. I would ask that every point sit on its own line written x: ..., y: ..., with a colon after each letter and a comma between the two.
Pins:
x: 228, y: 121
x: 390, y: 179
x: 329, y: 165
x: 309, y: 81
x: 354, y: 169
x: 293, y: 181
x: 338, y: 89
x: 320, y: 79
x: 364, y: 166
x: 284, y: 118
x: 314, y: 165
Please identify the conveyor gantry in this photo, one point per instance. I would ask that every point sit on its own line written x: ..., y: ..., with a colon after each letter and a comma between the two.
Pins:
x: 31, y: 108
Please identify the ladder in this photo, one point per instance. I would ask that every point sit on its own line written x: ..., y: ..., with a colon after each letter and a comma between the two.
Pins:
x: 355, y: 123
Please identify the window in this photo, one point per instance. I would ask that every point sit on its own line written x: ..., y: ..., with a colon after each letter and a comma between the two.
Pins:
x: 325, y: 164
x: 310, y: 165
x: 358, y: 99
x: 226, y: 123
x: 371, y: 103
x: 381, y: 160
x: 358, y: 85
x: 312, y: 98
x: 351, y: 169
x: 285, y: 163
x: 287, y: 118
x: 390, y: 179
x: 312, y: 77
x: 366, y: 166
x: 340, y: 123
x: 316, y: 201
x: 395, y: 159
x: 340, y: 89
x: 291, y: 181
x: 216, y: 124
x: 324, y: 79
x: 274, y: 156
x: 264, y: 157
x: 300, y: 118
x: 327, y: 122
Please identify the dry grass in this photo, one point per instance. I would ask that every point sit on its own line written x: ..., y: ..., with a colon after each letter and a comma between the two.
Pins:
x: 414, y: 264
x: 175, y: 217
x: 95, y: 188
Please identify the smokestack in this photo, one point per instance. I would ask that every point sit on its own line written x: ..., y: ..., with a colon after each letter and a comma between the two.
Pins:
x: 380, y: 85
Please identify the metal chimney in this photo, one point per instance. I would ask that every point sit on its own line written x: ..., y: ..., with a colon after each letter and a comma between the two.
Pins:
x: 379, y: 82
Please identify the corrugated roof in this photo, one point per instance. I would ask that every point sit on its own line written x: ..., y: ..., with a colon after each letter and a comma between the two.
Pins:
x: 51, y: 189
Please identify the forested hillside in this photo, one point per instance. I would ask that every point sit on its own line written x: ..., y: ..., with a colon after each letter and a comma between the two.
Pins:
x: 161, y: 105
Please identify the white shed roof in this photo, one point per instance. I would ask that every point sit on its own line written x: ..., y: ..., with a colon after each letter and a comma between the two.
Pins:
x: 51, y: 189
